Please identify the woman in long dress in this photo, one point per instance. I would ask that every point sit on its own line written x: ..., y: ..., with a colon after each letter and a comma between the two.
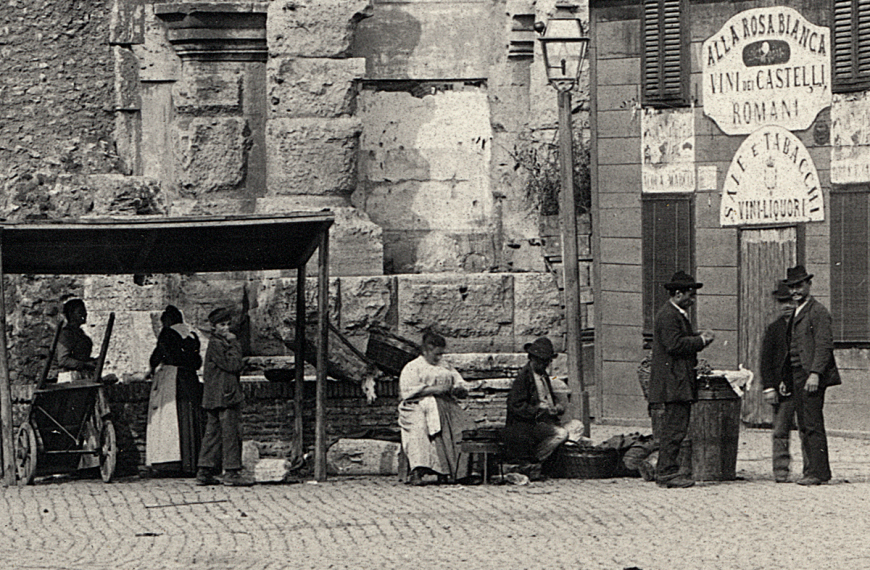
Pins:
x: 429, y: 416
x: 175, y: 423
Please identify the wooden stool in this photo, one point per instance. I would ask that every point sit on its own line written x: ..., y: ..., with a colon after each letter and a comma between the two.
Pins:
x: 484, y: 447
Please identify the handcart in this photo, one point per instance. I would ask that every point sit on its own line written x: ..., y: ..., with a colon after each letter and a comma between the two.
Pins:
x: 67, y: 426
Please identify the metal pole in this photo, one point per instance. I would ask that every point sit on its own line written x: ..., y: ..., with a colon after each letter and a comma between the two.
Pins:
x: 299, y: 361
x: 570, y: 266
x: 322, y: 351
x: 5, y: 388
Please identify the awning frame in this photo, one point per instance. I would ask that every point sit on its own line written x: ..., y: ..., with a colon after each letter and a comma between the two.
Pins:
x: 149, y: 244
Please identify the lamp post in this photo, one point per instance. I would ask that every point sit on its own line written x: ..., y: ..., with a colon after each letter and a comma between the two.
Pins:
x: 564, y: 46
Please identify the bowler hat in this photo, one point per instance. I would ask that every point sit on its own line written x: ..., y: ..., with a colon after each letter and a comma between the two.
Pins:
x: 541, y: 348
x: 682, y: 281
x: 782, y: 293
x: 219, y: 315
x: 796, y: 274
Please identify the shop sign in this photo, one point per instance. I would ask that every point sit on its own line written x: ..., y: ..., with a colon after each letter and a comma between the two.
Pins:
x: 766, y: 66
x: 771, y: 180
x: 850, y: 138
x: 668, y: 150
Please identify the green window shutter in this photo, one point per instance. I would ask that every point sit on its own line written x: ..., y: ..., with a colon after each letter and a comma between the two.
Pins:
x: 851, y: 36
x: 665, y: 54
x: 850, y: 264
x: 668, y: 227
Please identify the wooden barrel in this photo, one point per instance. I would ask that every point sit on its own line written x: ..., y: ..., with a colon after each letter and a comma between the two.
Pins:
x: 715, y: 430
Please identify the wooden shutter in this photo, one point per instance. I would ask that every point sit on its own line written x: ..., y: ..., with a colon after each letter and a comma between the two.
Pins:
x: 850, y: 264
x: 851, y: 45
x: 665, y: 56
x: 667, y: 247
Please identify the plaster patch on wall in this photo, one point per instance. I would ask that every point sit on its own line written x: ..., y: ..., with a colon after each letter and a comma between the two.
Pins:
x: 850, y: 134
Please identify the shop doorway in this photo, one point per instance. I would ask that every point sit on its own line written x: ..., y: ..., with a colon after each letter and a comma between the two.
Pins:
x: 765, y: 254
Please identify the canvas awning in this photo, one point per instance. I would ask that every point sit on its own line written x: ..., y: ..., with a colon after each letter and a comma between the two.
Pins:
x: 161, y: 245
x: 142, y: 245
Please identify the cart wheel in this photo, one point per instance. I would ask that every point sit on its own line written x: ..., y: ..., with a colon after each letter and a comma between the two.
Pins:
x: 25, y: 454
x: 108, y: 451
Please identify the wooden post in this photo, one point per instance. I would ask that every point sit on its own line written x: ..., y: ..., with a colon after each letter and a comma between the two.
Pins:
x: 5, y: 389
x: 322, y: 351
x: 299, y: 360
x: 570, y: 266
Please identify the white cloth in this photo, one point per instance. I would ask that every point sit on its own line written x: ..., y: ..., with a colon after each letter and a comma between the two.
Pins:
x: 162, y: 437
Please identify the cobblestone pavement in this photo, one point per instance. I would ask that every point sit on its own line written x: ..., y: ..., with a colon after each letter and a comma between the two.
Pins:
x: 374, y: 522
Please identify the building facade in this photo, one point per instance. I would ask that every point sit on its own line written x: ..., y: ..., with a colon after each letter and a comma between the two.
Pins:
x: 729, y: 140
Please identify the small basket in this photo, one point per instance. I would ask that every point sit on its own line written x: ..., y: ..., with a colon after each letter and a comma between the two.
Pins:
x: 644, y: 372
x: 389, y: 352
x: 588, y: 462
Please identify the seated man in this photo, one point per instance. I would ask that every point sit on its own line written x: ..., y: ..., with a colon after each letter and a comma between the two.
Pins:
x: 532, y: 431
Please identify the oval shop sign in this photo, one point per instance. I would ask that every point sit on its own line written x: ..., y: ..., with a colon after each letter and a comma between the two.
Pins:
x: 766, y: 66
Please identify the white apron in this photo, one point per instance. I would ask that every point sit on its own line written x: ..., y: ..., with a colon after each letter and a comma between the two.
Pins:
x: 162, y: 439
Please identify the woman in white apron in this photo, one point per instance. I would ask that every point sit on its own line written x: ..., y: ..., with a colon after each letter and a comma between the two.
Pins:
x: 175, y: 426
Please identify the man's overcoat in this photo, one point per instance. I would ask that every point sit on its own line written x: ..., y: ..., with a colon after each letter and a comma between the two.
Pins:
x: 674, y: 357
x: 811, y: 331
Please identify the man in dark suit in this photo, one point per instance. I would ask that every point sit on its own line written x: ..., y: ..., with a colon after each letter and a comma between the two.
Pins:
x: 532, y: 431
x: 673, y: 375
x: 776, y: 381
x: 811, y: 354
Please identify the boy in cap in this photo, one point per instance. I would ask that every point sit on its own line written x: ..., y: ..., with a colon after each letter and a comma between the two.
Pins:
x: 222, y: 398
x: 673, y: 375
x: 532, y: 430
x: 776, y: 381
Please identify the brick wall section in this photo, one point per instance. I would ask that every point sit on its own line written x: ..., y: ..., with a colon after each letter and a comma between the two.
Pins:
x: 268, y: 415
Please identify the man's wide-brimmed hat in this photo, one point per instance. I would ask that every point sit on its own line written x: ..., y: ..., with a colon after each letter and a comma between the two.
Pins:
x: 796, y: 274
x: 682, y: 280
x: 541, y: 348
x: 782, y: 293
x: 220, y: 315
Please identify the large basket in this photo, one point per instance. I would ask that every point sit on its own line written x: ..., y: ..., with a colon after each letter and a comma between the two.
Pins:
x: 588, y: 462
x: 644, y: 372
x: 389, y: 352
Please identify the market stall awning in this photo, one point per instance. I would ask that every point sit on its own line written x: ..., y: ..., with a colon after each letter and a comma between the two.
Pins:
x: 161, y: 245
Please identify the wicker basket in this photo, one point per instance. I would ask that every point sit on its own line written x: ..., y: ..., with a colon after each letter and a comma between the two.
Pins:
x: 644, y: 371
x: 588, y: 462
x: 389, y: 352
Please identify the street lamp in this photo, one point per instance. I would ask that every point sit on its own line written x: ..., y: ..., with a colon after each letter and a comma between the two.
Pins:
x: 564, y: 45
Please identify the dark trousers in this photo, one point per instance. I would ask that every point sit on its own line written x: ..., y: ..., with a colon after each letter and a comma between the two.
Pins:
x: 783, y: 420
x: 656, y: 414
x: 673, y: 427
x: 222, y: 442
x: 811, y: 426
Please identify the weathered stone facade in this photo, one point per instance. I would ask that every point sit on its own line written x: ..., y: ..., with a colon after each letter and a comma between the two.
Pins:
x: 134, y: 107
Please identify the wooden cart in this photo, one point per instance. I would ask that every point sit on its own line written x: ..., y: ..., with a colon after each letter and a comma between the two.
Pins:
x: 66, y: 422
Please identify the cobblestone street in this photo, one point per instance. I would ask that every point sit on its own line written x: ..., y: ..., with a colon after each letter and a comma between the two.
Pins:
x: 375, y: 522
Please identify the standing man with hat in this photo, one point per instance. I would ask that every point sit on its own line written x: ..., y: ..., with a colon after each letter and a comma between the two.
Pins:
x: 811, y: 354
x: 532, y: 430
x: 673, y: 375
x: 776, y: 381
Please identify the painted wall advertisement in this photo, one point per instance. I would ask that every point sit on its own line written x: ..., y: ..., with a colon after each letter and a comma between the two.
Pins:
x: 766, y: 66
x: 850, y: 138
x: 668, y: 145
x: 771, y: 180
